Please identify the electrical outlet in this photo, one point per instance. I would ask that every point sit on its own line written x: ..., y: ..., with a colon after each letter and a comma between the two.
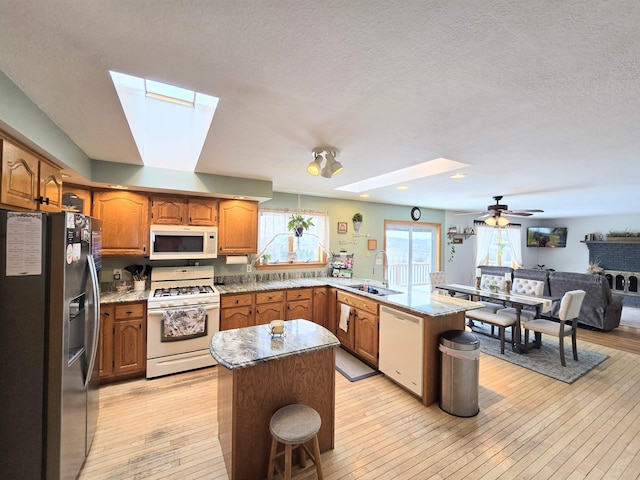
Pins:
x: 249, y: 268
x: 117, y: 274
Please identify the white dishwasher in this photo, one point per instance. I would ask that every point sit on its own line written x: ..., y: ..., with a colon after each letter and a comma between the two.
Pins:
x: 401, y: 348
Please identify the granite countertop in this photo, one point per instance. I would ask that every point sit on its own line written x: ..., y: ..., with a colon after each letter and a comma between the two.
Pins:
x: 416, y: 300
x: 250, y: 346
x: 122, y: 297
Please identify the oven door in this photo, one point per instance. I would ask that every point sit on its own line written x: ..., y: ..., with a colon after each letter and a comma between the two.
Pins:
x: 165, y: 339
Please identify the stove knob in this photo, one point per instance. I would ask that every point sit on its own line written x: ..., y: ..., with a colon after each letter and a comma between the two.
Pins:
x: 170, y: 304
x: 201, y: 301
x: 163, y: 305
x: 185, y: 302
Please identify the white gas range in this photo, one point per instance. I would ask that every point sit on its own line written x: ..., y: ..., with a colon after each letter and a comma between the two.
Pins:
x: 183, y: 312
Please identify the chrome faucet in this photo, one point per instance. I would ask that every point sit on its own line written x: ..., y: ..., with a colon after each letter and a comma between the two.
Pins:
x: 385, y: 266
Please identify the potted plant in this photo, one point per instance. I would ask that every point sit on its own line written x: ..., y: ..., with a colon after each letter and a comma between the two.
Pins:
x: 265, y: 259
x: 298, y: 224
x: 357, y: 221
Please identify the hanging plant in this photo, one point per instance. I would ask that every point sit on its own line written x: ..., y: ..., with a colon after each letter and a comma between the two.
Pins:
x: 452, y: 250
x: 298, y: 224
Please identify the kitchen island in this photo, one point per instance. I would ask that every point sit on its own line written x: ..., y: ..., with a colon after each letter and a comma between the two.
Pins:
x: 259, y: 373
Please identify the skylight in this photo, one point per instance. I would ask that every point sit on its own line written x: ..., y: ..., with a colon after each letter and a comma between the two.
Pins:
x: 415, y: 172
x: 169, y: 124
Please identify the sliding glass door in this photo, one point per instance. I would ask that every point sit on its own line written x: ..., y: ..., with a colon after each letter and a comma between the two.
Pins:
x: 412, y: 251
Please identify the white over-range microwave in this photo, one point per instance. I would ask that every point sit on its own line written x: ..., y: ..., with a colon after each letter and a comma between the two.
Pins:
x: 179, y: 242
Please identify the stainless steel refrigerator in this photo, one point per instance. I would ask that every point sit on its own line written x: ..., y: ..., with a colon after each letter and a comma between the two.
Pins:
x: 49, y: 327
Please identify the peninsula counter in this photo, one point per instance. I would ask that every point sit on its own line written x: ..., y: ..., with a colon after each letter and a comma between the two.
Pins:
x: 258, y: 374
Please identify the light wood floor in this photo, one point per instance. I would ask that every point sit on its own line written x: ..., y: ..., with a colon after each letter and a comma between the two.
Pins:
x: 529, y: 426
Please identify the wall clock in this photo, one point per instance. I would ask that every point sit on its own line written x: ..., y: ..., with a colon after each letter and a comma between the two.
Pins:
x: 415, y: 214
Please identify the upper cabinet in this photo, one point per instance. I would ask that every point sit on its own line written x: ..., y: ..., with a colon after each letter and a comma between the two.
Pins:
x: 167, y: 210
x: 238, y: 227
x: 76, y: 199
x: 125, y: 222
x: 202, y: 211
x: 28, y: 181
x: 170, y: 210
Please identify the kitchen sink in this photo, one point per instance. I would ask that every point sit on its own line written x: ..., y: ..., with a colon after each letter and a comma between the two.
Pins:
x: 374, y: 289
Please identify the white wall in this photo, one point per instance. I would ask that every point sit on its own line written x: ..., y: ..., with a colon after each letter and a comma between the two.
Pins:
x: 573, y: 258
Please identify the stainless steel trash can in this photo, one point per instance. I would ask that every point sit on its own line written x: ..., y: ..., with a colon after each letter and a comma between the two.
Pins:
x: 460, y: 370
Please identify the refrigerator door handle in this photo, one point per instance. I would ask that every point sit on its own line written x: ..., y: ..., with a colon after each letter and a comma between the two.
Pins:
x: 93, y: 352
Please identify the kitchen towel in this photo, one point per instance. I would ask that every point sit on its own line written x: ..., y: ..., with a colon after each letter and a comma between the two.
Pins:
x: 345, y: 313
x: 183, y: 323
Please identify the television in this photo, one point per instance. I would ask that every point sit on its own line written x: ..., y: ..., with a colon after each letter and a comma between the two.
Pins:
x: 546, y: 237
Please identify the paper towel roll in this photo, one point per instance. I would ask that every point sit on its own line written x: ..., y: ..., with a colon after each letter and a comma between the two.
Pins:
x: 237, y: 259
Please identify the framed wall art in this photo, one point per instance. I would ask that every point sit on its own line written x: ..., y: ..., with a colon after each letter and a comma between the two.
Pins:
x: 342, y: 227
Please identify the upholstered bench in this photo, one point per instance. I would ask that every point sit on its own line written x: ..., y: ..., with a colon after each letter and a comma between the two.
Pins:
x: 493, y: 319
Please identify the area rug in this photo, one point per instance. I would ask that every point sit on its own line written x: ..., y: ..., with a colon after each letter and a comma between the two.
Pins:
x: 546, y: 360
x: 351, y: 368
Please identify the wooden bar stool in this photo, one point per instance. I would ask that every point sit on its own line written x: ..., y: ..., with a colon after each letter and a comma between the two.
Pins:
x: 293, y: 426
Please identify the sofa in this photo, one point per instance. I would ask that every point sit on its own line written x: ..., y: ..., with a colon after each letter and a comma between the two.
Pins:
x: 600, y: 309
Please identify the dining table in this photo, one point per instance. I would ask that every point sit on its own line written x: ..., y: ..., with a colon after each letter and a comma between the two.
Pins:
x: 517, y: 301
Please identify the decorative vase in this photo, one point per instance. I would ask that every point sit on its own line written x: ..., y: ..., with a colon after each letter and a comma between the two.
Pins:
x: 298, y: 231
x: 356, y: 226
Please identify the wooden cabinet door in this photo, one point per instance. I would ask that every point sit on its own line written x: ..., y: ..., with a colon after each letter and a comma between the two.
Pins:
x: 168, y: 210
x: 236, y: 311
x: 237, y: 227
x: 299, y: 309
x: 125, y: 222
x: 105, y: 342
x: 129, y: 339
x: 50, y: 188
x: 346, y: 338
x: 129, y: 347
x: 202, y: 211
x: 75, y: 199
x: 269, y: 311
x: 270, y: 306
x: 320, y: 307
x: 19, y: 177
x: 366, y: 336
x: 237, y: 317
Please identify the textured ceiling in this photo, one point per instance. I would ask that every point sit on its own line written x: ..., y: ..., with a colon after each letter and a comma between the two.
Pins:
x: 541, y: 98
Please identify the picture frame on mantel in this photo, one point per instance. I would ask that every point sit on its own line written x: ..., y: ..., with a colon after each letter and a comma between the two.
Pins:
x: 342, y: 227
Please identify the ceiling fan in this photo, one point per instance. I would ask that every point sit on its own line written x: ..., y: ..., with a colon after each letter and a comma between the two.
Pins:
x: 494, y: 213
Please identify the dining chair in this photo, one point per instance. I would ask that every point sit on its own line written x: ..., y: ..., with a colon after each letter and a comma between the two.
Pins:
x: 437, y: 278
x: 568, y: 325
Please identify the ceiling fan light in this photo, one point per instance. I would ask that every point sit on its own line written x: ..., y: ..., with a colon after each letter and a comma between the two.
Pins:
x: 491, y: 221
x: 502, y: 221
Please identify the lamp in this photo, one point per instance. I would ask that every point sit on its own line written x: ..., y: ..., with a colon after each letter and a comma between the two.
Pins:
x: 497, y: 219
x: 324, y: 162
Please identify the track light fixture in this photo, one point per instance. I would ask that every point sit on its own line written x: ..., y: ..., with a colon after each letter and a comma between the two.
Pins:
x: 324, y: 162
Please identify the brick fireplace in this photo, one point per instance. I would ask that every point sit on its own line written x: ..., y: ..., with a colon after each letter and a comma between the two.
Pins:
x: 621, y: 262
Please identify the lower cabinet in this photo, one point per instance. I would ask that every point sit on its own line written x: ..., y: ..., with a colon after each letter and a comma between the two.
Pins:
x: 269, y: 306
x: 361, y: 336
x: 122, y: 350
x: 321, y: 307
x: 299, y: 304
x: 236, y: 311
